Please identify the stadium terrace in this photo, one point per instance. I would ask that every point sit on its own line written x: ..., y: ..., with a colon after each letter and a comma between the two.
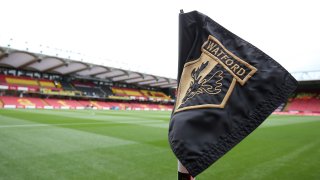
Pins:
x: 48, y: 82
x: 64, y: 119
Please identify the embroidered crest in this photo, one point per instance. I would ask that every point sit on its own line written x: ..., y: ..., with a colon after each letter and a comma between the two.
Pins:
x: 208, y: 81
x: 200, y: 85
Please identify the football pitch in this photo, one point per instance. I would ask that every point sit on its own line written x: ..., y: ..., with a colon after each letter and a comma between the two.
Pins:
x: 93, y: 144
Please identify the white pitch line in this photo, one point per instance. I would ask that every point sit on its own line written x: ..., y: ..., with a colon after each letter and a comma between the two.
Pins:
x: 87, y: 116
x: 274, y: 123
x: 70, y: 124
x: 275, y: 164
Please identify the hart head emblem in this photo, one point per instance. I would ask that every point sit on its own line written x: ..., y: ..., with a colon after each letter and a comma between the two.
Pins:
x: 208, y: 81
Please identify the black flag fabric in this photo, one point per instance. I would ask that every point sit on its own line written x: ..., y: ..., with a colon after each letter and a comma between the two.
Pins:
x: 227, y: 88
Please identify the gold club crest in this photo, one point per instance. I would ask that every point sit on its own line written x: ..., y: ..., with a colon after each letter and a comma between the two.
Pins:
x: 208, y: 81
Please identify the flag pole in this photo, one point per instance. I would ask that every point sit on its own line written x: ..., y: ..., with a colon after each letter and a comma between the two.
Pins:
x: 183, y: 173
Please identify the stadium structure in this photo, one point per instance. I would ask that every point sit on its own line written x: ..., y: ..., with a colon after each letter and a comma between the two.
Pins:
x: 49, y: 80
x: 120, y: 130
x: 46, y: 80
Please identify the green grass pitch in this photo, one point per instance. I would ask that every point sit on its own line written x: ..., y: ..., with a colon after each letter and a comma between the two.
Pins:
x: 92, y: 144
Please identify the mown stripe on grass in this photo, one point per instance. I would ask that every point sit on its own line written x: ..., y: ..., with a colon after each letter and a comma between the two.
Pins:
x: 267, y: 168
x: 52, y: 140
x: 7, y: 120
x: 150, y: 123
x: 76, y: 119
x: 89, y: 115
x: 165, y: 116
x: 134, y: 161
x: 285, y: 122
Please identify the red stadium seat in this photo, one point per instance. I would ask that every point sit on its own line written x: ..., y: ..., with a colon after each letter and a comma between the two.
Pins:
x: 58, y: 103
x: 23, y: 102
x: 306, y: 103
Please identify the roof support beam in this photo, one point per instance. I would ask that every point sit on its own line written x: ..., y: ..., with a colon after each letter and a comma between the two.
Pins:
x: 4, y: 53
x: 29, y: 63
x: 77, y: 70
x: 151, y: 82
x: 54, y: 67
x: 159, y: 83
x: 118, y: 75
x: 128, y: 78
x: 169, y: 85
x: 136, y: 79
x: 165, y: 80
x: 145, y: 80
x: 99, y: 73
x: 2, y: 56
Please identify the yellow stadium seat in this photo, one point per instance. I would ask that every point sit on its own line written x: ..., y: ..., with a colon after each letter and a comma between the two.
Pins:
x: 20, y: 81
x: 132, y: 92
x: 46, y: 84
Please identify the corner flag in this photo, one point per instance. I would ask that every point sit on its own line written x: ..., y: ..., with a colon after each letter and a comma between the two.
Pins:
x: 227, y: 88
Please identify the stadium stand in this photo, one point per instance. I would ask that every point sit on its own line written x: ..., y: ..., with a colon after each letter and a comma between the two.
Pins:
x: 66, y: 85
x: 2, y: 79
x: 306, y: 102
x: 89, y: 89
x: 155, y: 94
x: 60, y: 92
x: 56, y: 83
x: 31, y: 102
x: 63, y: 103
x: 118, y: 91
x: 91, y: 92
x: 120, y: 106
x: 158, y: 94
x: 16, y: 102
x: 107, y: 90
x: 77, y: 88
x: 95, y: 104
x: 27, y: 83
x: 133, y: 93
x: 18, y: 83
x: 13, y: 80
x: 110, y: 97
x: 47, y: 83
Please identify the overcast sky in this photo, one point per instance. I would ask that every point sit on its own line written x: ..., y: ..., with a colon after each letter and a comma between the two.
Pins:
x: 143, y: 35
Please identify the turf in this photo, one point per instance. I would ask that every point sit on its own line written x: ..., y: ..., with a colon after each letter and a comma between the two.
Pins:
x: 92, y: 144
